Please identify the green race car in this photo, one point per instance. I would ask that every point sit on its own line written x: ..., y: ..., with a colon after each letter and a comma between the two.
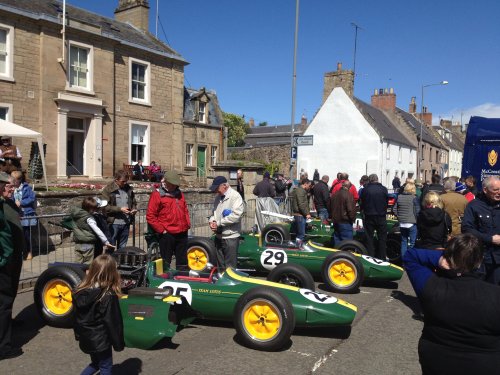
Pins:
x: 264, y: 313
x: 342, y: 271
x: 318, y: 232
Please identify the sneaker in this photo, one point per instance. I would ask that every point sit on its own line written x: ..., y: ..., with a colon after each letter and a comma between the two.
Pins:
x: 12, y: 353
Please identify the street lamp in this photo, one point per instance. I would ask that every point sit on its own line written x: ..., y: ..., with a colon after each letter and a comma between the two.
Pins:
x: 419, y: 151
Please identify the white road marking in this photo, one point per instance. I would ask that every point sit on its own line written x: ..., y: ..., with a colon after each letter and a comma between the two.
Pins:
x: 322, y: 360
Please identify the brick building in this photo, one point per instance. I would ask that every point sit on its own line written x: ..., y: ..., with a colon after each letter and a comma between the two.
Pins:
x: 103, y: 92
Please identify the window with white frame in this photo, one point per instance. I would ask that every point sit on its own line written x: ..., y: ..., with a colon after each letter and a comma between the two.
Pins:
x: 6, y: 111
x: 201, y: 112
x: 139, y: 81
x: 213, y: 155
x: 189, y: 155
x: 6, y: 52
x: 80, y: 66
x: 139, y: 142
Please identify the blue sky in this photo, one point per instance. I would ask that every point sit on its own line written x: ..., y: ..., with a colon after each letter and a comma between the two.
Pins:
x: 244, y: 51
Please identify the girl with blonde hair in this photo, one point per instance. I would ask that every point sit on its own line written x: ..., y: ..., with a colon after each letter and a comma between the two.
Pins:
x: 98, y: 320
x: 433, y: 223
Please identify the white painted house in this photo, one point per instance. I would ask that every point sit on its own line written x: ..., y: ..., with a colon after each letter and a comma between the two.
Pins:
x: 354, y: 137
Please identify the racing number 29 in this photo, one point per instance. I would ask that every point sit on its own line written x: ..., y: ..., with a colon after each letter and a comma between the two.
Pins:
x: 274, y: 258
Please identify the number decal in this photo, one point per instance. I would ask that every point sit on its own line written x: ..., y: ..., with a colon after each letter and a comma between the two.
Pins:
x: 270, y: 258
x: 317, y: 297
x: 180, y: 290
x: 376, y: 261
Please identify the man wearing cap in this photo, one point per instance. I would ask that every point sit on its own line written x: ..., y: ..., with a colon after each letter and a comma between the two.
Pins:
x: 265, y: 189
x: 8, y: 283
x: 121, y: 208
x: 168, y: 216
x: 226, y: 222
x: 10, y: 153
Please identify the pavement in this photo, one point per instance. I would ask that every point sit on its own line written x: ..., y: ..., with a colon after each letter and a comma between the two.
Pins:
x: 382, y: 340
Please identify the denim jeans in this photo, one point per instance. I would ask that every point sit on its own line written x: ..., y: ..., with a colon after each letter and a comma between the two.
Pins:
x: 323, y: 213
x: 300, y: 227
x: 102, y: 361
x: 408, y: 238
x: 341, y: 232
x: 119, y: 235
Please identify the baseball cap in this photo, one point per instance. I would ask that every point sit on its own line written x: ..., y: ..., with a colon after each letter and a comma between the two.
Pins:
x: 217, y: 181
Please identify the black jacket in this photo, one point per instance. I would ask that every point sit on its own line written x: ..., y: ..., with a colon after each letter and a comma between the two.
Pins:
x: 374, y: 198
x: 482, y: 219
x: 321, y: 193
x: 434, y: 226
x: 98, y: 322
x: 264, y: 189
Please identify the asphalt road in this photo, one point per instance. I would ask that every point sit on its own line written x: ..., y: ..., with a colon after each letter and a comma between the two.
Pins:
x: 383, y: 340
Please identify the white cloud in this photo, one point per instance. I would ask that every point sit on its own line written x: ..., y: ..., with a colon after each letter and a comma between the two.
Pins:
x: 483, y: 110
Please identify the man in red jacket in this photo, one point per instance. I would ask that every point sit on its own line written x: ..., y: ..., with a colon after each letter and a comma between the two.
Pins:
x: 168, y: 215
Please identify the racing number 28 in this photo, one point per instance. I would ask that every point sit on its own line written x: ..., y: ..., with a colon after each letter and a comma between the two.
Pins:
x: 274, y: 258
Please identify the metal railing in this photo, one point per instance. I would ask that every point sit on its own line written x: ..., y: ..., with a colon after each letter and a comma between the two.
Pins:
x: 50, y: 242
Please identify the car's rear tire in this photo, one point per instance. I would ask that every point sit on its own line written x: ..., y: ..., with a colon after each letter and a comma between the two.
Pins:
x: 292, y: 274
x: 275, y: 233
x: 264, y: 319
x: 200, y: 252
x: 353, y: 246
x: 53, y: 294
x: 342, y: 272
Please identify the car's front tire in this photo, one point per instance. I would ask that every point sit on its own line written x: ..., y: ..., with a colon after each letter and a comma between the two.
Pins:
x: 342, y: 272
x: 53, y: 294
x: 264, y: 319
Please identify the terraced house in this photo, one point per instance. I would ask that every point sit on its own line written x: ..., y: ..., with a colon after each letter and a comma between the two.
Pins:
x: 103, y: 92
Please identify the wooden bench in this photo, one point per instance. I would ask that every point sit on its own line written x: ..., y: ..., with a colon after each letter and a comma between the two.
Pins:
x: 129, y: 168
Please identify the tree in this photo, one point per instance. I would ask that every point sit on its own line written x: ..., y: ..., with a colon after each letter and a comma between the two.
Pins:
x: 237, y: 129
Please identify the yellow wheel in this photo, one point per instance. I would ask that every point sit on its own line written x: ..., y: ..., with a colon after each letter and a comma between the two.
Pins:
x: 200, y: 252
x: 342, y: 272
x: 57, y: 297
x: 197, y: 258
x: 264, y: 319
x: 261, y: 320
x: 52, y: 294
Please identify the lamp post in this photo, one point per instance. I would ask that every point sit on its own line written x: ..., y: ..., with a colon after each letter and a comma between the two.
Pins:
x: 419, y: 151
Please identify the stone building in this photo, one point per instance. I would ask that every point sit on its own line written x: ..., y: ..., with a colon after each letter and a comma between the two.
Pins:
x: 103, y: 92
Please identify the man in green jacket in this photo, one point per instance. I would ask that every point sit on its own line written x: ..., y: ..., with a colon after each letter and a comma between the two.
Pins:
x: 8, y: 280
x: 300, y: 209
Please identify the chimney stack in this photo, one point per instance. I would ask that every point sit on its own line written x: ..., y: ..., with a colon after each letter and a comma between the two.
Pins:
x: 135, y: 12
x: 339, y: 78
x: 413, y: 106
x: 384, y: 99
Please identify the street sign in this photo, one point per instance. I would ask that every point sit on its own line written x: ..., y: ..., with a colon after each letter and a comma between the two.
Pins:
x: 305, y: 140
x: 293, y: 153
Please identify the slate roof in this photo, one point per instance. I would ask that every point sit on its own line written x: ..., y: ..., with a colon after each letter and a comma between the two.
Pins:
x: 214, y: 113
x: 383, y: 125
x: 416, y: 125
x: 51, y: 11
x: 271, y: 135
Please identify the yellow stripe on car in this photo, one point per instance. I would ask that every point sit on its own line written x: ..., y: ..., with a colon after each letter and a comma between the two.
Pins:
x: 235, y: 276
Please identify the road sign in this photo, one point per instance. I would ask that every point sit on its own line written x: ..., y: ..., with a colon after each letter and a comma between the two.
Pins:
x: 293, y: 153
x: 305, y: 140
